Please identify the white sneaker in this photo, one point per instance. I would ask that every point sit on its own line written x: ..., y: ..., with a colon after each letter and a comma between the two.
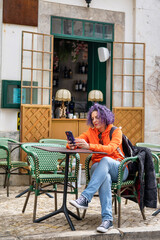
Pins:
x: 105, y: 226
x: 81, y: 202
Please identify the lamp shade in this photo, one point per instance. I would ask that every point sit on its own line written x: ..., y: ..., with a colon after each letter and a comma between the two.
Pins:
x: 95, y: 96
x: 63, y: 95
x: 103, y: 54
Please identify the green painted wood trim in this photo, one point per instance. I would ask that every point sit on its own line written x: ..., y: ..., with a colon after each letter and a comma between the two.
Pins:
x: 83, y: 37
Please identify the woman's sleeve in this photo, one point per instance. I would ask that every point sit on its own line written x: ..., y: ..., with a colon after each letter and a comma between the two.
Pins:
x: 84, y: 136
x: 112, y: 146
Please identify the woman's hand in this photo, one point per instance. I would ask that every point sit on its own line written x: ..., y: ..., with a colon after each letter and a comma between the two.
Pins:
x: 81, y: 143
x: 71, y: 145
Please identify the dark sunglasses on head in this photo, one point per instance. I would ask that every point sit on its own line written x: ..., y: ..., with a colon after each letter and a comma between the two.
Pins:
x: 100, y: 138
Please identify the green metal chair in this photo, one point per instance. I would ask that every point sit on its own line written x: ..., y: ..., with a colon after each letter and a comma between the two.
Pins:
x: 119, y: 187
x: 6, y: 161
x: 61, y: 156
x: 44, y: 172
x: 155, y: 149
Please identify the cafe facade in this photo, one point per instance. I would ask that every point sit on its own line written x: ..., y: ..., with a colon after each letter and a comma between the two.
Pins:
x: 50, y: 45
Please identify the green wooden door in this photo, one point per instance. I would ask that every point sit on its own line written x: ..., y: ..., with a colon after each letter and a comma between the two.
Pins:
x: 96, y: 70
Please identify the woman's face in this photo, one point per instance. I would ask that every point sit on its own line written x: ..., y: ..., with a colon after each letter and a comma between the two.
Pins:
x: 97, y: 121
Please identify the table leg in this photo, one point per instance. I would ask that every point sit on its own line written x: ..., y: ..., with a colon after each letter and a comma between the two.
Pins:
x: 64, y: 207
x: 25, y: 191
x: 156, y: 212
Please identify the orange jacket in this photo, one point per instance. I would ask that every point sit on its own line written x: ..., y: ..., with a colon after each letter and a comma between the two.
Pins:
x: 109, y: 146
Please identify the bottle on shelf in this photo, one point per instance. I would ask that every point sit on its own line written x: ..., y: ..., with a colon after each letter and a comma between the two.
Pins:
x: 70, y: 73
x: 76, y: 85
x: 72, y: 105
x: 86, y: 68
x: 83, y: 68
x: 65, y: 72
x: 54, y: 81
x: 83, y: 86
x: 80, y: 85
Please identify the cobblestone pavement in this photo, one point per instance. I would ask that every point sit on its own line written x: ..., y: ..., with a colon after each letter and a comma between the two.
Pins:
x: 15, y: 223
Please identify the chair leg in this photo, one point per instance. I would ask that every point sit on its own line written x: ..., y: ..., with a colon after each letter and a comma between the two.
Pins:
x: 35, y: 201
x: 55, y: 196
x: 26, y: 201
x: 84, y: 213
x: 76, y: 186
x: 7, y: 182
x: 158, y: 183
x: 159, y: 195
x: 142, y: 211
x: 119, y: 208
x: 31, y: 184
x: 115, y: 205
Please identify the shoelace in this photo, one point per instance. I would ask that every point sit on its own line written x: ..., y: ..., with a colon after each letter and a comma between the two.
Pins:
x: 81, y: 200
x: 105, y: 224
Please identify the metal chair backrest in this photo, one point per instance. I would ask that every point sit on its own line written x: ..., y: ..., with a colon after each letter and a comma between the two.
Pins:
x: 3, y: 142
x: 155, y: 149
x: 41, y: 160
x: 52, y: 140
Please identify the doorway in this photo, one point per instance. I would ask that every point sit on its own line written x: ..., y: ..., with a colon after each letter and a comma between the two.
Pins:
x: 76, y: 67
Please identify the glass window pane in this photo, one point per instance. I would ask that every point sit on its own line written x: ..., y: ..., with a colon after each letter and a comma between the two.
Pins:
x: 128, y: 67
x: 88, y: 29
x: 77, y: 28
x: 27, y: 56
x: 138, y: 99
x: 139, y: 50
x: 117, y: 99
x: 127, y: 100
x: 138, y: 83
x: 67, y: 26
x: 37, y: 78
x: 56, y: 25
x: 118, y: 66
x: 26, y: 95
x: 46, y: 79
x: 46, y: 97
x: 128, y: 51
x: 26, y: 77
x: 127, y: 83
x: 108, y: 29
x: 117, y: 83
x: 98, y: 30
x: 139, y: 67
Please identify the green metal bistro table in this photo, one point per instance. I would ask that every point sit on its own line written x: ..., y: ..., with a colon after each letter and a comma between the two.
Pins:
x: 63, y: 208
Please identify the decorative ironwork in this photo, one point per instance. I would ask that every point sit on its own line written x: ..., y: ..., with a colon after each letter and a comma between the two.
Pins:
x: 88, y: 2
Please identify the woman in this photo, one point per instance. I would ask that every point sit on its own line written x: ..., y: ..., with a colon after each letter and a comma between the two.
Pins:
x: 105, y: 167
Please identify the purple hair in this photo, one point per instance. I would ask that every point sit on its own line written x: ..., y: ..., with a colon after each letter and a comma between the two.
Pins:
x: 105, y: 115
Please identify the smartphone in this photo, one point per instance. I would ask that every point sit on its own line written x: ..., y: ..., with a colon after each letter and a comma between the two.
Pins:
x: 70, y: 137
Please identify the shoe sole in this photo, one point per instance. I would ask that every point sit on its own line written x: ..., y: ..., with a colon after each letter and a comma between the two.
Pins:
x: 75, y: 204
x: 103, y: 230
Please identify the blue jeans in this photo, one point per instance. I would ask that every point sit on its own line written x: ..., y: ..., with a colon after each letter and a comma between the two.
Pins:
x: 102, y: 175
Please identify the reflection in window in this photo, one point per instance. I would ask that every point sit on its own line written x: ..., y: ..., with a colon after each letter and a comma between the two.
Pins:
x: 56, y: 25
x: 88, y: 31
x: 67, y: 26
x: 98, y: 30
x: 77, y: 28
x: 108, y: 29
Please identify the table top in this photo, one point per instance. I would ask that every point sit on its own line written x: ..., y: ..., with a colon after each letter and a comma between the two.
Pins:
x: 66, y: 150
